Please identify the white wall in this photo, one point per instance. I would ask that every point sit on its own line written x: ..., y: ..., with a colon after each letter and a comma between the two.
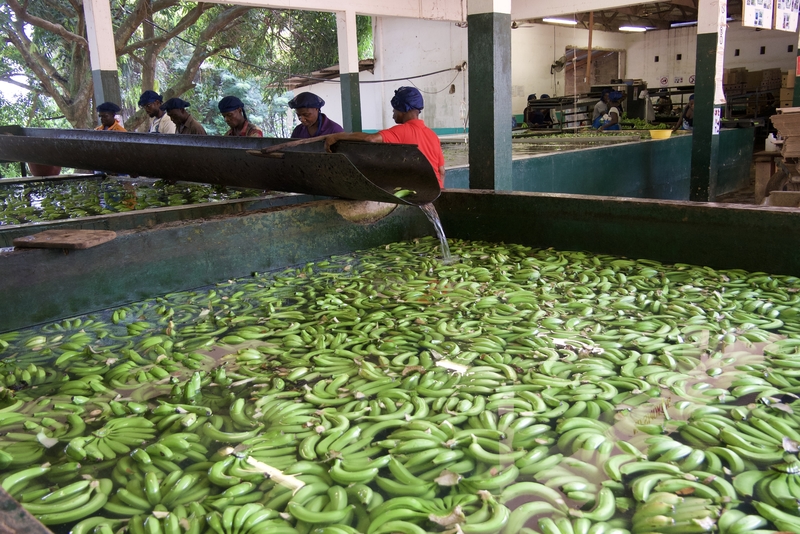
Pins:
x: 403, y: 48
x: 408, y: 47
x: 535, y: 47
x: 642, y: 49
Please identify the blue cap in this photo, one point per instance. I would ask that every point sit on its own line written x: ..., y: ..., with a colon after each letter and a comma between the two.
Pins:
x: 174, y: 103
x: 691, y: 97
x: 108, y: 106
x: 406, y: 99
x: 531, y: 97
x: 543, y: 97
x: 229, y: 103
x: 149, y: 96
x: 614, y: 96
x: 306, y: 100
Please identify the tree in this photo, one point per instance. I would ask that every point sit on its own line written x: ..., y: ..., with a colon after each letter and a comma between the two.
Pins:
x: 161, y: 43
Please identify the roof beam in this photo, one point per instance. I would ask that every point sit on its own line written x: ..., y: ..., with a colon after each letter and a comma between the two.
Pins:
x: 524, y: 9
x: 450, y: 10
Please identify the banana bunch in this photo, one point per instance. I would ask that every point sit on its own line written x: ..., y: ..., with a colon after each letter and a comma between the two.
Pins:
x: 116, y: 437
x: 248, y: 519
x: 779, y: 486
x: 657, y: 477
x: 576, y: 433
x: 668, y: 513
x: 31, y: 375
x: 70, y: 503
x: 176, y: 488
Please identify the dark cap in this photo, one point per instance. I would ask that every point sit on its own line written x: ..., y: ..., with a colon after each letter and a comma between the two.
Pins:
x: 306, y: 100
x: 108, y: 106
x: 148, y: 97
x: 229, y: 103
x: 615, y: 96
x: 174, y: 103
x: 406, y: 99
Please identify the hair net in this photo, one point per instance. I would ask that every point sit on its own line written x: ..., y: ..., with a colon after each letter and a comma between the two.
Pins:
x: 406, y: 99
x: 108, y: 106
x: 149, y: 96
x: 306, y: 100
x: 174, y: 103
x: 229, y: 103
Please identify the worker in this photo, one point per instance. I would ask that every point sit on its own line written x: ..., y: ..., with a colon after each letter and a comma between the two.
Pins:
x: 232, y: 110
x: 106, y: 112
x: 406, y: 106
x: 313, y: 123
x: 533, y: 117
x: 611, y: 120
x: 664, y: 103
x: 184, y: 122
x: 601, y: 108
x: 547, y: 114
x: 160, y: 122
x: 686, y: 120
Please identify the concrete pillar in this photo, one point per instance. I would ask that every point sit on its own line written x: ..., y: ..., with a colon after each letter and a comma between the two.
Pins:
x: 101, y: 51
x: 489, y: 70
x: 796, y: 96
x: 348, y: 70
x: 709, y: 98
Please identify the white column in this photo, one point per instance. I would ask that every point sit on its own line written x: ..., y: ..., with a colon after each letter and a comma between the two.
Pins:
x: 102, y: 54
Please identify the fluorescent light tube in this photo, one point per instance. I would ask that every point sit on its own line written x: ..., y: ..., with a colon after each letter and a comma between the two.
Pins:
x: 559, y: 21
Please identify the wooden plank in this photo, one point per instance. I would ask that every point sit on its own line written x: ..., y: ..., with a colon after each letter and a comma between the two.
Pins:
x: 14, y: 519
x: 68, y: 239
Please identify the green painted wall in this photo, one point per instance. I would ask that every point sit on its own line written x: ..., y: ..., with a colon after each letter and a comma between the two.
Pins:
x: 648, y: 169
x: 40, y: 285
x: 45, y: 284
x: 717, y: 235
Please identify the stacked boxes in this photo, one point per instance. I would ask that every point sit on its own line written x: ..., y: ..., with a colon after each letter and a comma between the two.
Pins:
x: 787, y: 89
x: 763, y: 80
x: 734, y: 81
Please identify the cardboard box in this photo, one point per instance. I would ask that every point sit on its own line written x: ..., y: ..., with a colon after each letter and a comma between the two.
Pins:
x: 787, y: 79
x: 753, y: 81
x: 733, y: 89
x: 786, y: 103
x: 787, y: 94
x: 734, y: 76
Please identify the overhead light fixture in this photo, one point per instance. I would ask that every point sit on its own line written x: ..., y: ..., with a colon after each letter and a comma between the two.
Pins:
x: 683, y: 24
x: 632, y: 29
x: 559, y: 21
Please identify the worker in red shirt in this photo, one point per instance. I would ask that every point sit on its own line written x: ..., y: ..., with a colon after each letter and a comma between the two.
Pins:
x: 406, y: 104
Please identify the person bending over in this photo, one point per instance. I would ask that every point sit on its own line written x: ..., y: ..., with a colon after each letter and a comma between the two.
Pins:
x: 184, y: 122
x: 106, y: 112
x: 313, y: 123
x: 406, y: 106
x: 160, y: 122
x: 232, y: 110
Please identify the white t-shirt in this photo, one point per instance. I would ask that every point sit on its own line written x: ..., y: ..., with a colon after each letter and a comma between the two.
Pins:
x: 163, y: 125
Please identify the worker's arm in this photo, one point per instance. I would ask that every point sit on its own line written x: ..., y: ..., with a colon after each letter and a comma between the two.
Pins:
x: 680, y: 120
x: 441, y: 173
x: 332, y: 139
x: 614, y: 120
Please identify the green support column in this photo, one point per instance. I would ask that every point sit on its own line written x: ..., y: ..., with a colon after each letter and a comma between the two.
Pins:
x: 489, y: 42
x: 106, y: 86
x: 351, y: 102
x: 348, y: 70
x: 708, y: 99
x: 796, y: 96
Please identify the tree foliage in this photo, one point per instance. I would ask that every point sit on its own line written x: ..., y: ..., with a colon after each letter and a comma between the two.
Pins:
x: 198, y: 51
